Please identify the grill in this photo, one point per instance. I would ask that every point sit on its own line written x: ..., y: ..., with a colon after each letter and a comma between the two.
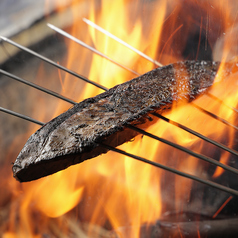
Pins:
x: 170, y: 224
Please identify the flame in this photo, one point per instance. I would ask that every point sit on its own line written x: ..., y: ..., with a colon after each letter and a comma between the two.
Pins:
x: 114, y: 188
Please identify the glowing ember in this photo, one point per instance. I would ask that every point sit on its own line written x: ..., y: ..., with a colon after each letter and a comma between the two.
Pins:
x: 114, y: 191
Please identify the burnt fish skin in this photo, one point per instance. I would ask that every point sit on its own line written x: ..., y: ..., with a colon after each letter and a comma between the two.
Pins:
x: 73, y: 136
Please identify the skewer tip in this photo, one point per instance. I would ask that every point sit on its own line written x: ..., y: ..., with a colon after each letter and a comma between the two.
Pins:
x: 3, y: 38
x: 52, y: 26
x: 85, y: 19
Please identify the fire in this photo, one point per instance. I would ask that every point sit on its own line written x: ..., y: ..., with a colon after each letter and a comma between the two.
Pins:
x: 114, y: 189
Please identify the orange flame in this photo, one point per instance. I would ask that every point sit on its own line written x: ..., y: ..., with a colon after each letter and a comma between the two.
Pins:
x: 114, y: 188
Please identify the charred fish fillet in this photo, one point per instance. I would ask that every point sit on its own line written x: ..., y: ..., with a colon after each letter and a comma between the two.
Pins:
x: 73, y: 136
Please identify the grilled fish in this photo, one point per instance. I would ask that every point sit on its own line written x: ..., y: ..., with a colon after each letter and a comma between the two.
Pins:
x: 73, y: 136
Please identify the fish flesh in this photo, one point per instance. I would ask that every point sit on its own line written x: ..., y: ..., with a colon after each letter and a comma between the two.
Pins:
x: 75, y: 135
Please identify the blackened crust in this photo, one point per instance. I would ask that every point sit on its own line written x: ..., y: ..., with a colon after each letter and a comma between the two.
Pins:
x: 73, y: 136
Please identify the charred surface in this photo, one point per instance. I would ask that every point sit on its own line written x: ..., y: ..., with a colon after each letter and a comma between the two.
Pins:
x: 72, y: 137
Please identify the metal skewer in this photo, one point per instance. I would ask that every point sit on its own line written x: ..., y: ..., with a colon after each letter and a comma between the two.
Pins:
x: 190, y: 152
x: 19, y: 115
x: 220, y: 101
x: 199, y: 156
x: 104, y: 88
x: 196, y: 134
x: 155, y: 114
x: 121, y: 42
x: 51, y: 62
x: 204, y: 181
x: 146, y: 57
x: 90, y: 48
x: 174, y: 123
x: 214, y: 116
x: 45, y: 90
x: 193, y: 177
x: 223, y: 188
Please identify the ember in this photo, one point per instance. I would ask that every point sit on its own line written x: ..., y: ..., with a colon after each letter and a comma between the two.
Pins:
x: 113, y: 195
